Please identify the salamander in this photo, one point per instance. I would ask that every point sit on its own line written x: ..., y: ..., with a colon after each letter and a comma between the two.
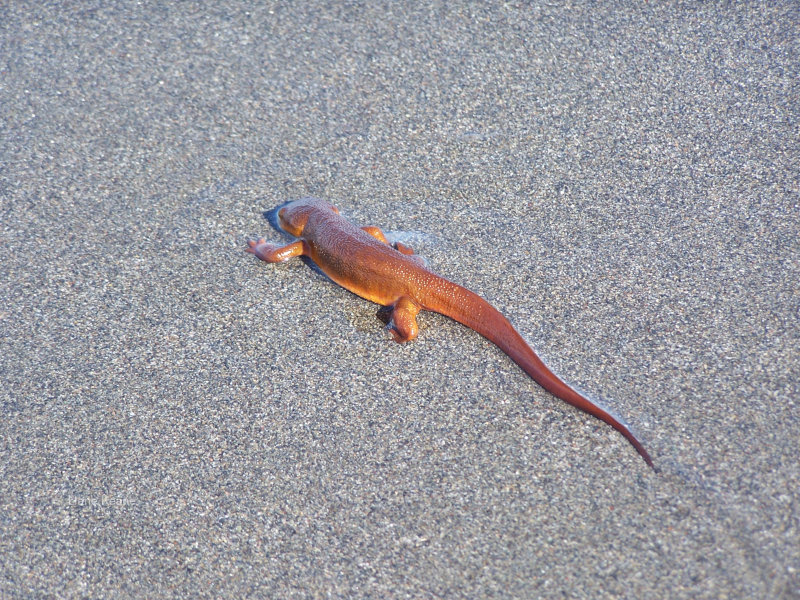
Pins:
x: 363, y: 261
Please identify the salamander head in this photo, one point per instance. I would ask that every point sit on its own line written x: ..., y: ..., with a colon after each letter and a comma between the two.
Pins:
x: 294, y: 215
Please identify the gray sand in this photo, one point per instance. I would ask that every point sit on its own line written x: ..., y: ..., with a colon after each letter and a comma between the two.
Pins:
x: 181, y: 420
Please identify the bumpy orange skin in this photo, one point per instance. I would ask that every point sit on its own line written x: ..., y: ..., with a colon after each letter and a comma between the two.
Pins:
x: 362, y: 261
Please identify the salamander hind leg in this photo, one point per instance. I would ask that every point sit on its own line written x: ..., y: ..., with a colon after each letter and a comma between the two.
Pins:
x: 403, y: 322
x: 377, y: 234
x: 381, y: 237
x: 273, y: 253
x: 403, y: 249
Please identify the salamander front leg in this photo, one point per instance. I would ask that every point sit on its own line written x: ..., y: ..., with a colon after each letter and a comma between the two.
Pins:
x: 273, y: 253
x: 403, y: 324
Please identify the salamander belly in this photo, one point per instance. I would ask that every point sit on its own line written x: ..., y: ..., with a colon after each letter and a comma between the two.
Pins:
x: 370, y: 288
x: 367, y: 268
